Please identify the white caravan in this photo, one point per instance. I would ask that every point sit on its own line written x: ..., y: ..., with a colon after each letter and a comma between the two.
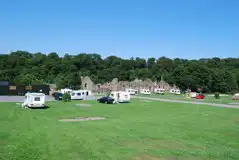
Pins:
x: 120, y: 96
x: 33, y: 100
x: 145, y: 91
x: 77, y: 95
x: 193, y: 94
x: 66, y: 90
x: 175, y: 91
x: 131, y: 91
x: 80, y: 94
x: 159, y: 90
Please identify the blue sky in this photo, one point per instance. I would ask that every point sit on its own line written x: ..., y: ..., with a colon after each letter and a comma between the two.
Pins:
x: 127, y: 28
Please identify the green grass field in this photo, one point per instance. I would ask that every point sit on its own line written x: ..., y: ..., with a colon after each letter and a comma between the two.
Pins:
x: 208, y: 98
x: 134, y: 131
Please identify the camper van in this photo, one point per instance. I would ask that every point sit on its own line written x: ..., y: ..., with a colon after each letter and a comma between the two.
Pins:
x: 145, y: 91
x: 33, y: 100
x: 175, y: 91
x: 131, y: 91
x: 159, y: 90
x: 80, y: 94
x: 120, y: 96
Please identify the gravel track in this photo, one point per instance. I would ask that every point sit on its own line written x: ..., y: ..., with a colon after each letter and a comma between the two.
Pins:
x: 188, y: 102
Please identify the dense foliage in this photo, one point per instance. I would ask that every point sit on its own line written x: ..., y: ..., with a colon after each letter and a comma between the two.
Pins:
x: 213, y: 75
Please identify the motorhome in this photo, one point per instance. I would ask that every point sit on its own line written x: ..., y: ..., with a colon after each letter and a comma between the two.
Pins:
x: 145, y: 91
x: 175, y: 91
x: 120, y: 96
x: 80, y: 94
x: 33, y: 100
x: 159, y: 90
x: 131, y: 91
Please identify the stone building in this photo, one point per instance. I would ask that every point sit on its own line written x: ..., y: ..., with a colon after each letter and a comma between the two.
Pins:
x: 116, y: 85
x: 87, y: 83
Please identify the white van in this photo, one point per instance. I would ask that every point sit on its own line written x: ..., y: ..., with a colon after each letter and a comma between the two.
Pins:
x: 159, y: 90
x: 145, y: 91
x: 33, y: 100
x: 131, y: 91
x: 120, y: 96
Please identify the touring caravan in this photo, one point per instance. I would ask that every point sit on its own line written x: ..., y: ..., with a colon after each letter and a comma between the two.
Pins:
x: 120, y: 96
x: 159, y: 90
x: 131, y: 91
x: 193, y: 94
x: 33, y: 100
x: 175, y: 91
x: 80, y: 94
x: 66, y: 90
x: 77, y: 95
x: 145, y: 91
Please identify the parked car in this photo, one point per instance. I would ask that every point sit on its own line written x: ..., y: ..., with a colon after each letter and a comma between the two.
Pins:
x: 200, y: 96
x: 106, y: 100
x: 57, y: 95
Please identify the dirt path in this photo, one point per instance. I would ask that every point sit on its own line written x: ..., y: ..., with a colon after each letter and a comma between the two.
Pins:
x: 189, y: 102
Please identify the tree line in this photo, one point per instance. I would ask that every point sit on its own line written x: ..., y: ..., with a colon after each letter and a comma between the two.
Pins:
x: 212, y: 75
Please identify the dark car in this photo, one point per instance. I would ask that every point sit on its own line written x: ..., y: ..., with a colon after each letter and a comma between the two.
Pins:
x: 57, y: 95
x: 105, y: 100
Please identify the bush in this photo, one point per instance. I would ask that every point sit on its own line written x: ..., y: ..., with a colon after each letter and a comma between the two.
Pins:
x: 66, y: 97
x: 216, y: 95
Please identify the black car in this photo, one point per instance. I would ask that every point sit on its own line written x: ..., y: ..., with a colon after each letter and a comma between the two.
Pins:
x: 57, y: 96
x: 105, y: 100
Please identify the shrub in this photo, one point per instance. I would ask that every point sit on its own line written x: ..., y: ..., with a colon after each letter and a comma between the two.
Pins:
x: 216, y: 95
x: 66, y: 97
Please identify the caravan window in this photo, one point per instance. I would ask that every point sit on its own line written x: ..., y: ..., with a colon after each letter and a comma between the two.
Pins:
x: 37, y: 99
x: 79, y: 94
x: 82, y: 93
x: 73, y: 94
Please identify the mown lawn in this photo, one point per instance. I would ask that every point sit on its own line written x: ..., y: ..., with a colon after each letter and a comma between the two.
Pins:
x: 208, y: 98
x: 135, y: 131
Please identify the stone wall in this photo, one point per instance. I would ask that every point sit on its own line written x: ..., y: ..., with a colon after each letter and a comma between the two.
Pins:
x: 116, y: 85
